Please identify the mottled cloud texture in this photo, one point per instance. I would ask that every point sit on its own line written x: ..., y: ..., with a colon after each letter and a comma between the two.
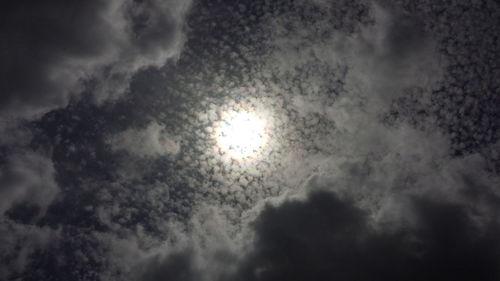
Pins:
x: 365, y: 194
x: 53, y: 52
x: 381, y: 163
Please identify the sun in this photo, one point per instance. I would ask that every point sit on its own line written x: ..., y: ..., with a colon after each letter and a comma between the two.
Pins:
x: 241, y: 134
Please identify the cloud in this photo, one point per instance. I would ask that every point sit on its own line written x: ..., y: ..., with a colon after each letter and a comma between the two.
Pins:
x: 20, y: 244
x: 151, y: 141
x: 378, y: 181
x: 27, y: 177
x: 53, y: 51
x: 27, y: 188
x: 177, y: 267
x: 386, y: 197
x: 390, y: 56
x: 325, y: 238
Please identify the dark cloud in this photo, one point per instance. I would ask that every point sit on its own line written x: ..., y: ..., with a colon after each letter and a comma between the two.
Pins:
x: 178, y: 267
x: 27, y: 177
x: 19, y: 243
x: 325, y: 238
x: 50, y: 49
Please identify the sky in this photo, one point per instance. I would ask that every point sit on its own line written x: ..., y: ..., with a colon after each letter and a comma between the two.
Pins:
x: 250, y: 140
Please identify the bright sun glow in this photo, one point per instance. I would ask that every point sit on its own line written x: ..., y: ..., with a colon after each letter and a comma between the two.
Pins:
x: 241, y: 134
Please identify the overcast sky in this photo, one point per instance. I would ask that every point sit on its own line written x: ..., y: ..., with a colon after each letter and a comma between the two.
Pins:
x: 378, y: 127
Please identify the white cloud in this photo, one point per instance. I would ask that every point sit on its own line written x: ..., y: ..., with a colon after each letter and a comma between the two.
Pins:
x: 151, y: 141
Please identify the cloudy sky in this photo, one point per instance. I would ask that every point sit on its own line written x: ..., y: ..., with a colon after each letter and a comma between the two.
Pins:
x: 250, y: 140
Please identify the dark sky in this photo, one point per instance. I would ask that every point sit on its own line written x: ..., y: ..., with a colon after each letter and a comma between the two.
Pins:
x: 378, y: 154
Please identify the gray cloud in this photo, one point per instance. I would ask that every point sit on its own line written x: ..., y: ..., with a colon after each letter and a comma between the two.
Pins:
x: 20, y: 243
x: 176, y: 267
x: 51, y: 53
x: 52, y: 50
x: 27, y: 178
x: 27, y: 188
x: 325, y: 237
x: 151, y: 141
x: 385, y: 176
x: 349, y: 87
